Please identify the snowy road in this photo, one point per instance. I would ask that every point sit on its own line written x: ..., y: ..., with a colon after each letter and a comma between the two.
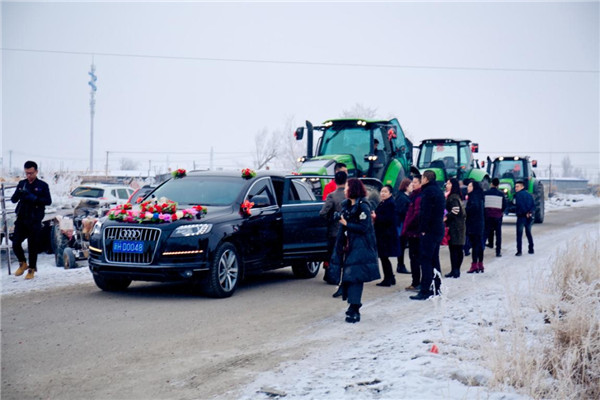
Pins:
x: 158, y: 341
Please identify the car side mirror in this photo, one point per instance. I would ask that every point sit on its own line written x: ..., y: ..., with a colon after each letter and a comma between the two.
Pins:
x: 299, y: 134
x: 260, y: 200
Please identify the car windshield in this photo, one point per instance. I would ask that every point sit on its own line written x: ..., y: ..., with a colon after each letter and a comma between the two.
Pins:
x: 508, y: 169
x: 441, y: 155
x: 203, y: 190
x: 349, y: 140
x: 84, y: 191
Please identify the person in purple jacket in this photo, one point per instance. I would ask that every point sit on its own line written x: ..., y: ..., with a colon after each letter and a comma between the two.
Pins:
x: 410, y: 231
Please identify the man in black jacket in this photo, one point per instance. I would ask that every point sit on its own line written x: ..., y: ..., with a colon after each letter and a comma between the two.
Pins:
x: 431, y: 226
x: 495, y: 204
x: 525, y: 208
x: 33, y: 195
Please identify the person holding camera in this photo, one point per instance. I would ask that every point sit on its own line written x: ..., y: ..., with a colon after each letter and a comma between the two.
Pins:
x: 33, y: 195
x: 355, y: 248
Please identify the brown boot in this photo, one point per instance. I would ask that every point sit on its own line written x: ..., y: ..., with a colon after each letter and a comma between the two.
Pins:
x: 22, y: 268
x: 30, y: 273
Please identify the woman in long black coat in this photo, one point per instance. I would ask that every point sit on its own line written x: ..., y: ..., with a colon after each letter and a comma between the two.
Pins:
x: 386, y: 232
x: 475, y: 224
x: 455, y: 221
x: 355, y: 248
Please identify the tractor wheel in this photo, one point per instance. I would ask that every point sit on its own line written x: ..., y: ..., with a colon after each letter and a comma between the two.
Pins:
x: 539, y: 205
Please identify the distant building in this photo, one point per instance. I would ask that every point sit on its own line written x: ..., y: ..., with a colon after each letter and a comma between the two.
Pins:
x: 566, y: 185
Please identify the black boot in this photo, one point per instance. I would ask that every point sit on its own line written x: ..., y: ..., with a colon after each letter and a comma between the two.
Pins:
x: 401, y: 269
x: 449, y: 274
x: 339, y: 292
x: 352, y: 314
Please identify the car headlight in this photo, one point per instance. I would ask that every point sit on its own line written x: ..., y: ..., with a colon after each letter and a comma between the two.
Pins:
x: 191, y: 230
x: 97, y: 227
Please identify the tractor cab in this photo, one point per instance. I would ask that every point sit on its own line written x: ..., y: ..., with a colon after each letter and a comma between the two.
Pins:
x: 510, y: 169
x: 449, y: 158
x: 370, y: 149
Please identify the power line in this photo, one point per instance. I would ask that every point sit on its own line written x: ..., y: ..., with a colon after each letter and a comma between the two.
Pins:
x: 309, y: 63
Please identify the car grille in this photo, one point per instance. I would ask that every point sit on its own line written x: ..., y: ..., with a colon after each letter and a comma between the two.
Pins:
x: 149, y: 236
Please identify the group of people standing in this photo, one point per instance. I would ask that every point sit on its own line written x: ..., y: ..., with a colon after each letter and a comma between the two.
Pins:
x: 419, y: 218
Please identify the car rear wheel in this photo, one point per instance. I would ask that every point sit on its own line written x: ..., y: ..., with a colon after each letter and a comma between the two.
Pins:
x: 111, y: 284
x: 306, y: 269
x: 224, y: 273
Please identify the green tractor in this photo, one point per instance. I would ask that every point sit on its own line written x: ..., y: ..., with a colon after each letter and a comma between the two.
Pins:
x: 376, y: 151
x: 509, y: 169
x: 450, y: 158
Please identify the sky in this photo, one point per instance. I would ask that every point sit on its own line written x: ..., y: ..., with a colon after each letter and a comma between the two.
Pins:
x: 177, y: 80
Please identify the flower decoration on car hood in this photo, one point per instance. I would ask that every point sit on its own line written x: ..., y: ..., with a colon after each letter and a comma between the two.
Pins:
x: 154, y: 212
x: 247, y: 173
x: 246, y: 206
x: 179, y: 173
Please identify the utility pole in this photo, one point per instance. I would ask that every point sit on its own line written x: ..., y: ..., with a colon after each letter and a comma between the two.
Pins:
x: 92, y: 84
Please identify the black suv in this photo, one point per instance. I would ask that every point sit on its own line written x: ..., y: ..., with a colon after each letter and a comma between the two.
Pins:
x: 282, y: 228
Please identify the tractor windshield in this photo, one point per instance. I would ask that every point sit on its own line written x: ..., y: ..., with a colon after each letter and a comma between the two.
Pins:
x: 349, y: 140
x: 443, y: 155
x: 512, y: 169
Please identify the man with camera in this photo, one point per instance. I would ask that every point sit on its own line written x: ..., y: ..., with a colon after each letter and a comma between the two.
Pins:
x: 33, y: 195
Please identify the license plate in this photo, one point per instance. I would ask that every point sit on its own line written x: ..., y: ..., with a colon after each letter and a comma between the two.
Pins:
x: 128, y: 246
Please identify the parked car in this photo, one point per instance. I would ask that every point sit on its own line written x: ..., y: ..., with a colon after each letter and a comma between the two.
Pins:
x: 281, y: 227
x: 138, y: 195
x: 106, y: 194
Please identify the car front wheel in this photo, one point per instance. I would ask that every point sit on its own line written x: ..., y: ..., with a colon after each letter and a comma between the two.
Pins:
x: 111, y: 284
x: 224, y: 273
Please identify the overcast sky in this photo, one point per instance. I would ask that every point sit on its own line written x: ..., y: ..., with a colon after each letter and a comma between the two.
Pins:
x: 185, y: 77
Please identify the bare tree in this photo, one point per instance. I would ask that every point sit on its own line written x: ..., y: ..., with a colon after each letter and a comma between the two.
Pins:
x: 290, y: 148
x: 266, y: 147
x: 359, y: 111
x: 127, y: 164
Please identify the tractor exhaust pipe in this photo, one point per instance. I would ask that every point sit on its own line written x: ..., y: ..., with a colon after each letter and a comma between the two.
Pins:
x: 309, y: 139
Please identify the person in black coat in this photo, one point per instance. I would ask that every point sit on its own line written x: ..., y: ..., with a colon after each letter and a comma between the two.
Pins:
x: 386, y: 233
x: 431, y: 227
x: 494, y: 206
x: 525, y: 209
x: 402, y: 202
x: 33, y: 195
x: 475, y: 225
x: 355, y: 249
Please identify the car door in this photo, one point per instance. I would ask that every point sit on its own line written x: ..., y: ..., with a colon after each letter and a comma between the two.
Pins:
x: 261, y: 230
x: 304, y: 230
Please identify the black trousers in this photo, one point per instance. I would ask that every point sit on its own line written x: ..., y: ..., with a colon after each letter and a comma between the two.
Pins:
x: 30, y: 231
x: 386, y: 265
x: 456, y: 256
x: 477, y: 247
x: 353, y: 291
x: 415, y: 262
x: 493, y: 226
x: 430, y: 260
x: 524, y: 222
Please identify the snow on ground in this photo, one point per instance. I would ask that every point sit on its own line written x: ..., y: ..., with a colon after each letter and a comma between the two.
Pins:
x: 388, y: 354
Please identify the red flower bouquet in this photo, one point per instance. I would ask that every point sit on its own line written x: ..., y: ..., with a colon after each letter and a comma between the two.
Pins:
x: 154, y: 212
x: 179, y: 173
x: 247, y: 173
x: 245, y: 207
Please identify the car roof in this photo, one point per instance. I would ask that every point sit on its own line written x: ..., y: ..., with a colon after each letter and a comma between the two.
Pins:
x: 102, y: 186
x: 237, y: 173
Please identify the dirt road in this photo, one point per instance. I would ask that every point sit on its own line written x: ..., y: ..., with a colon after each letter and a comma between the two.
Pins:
x: 161, y: 341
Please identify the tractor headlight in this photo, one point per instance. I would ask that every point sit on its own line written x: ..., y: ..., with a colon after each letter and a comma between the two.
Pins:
x: 191, y: 230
